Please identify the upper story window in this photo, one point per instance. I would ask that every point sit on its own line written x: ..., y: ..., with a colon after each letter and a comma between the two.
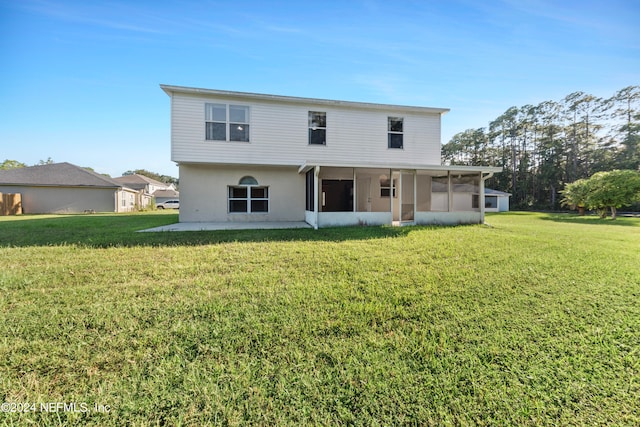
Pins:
x: 226, y: 122
x: 317, y: 128
x: 395, y: 129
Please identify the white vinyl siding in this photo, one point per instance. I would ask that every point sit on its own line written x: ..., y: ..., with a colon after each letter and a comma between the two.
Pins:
x: 280, y: 134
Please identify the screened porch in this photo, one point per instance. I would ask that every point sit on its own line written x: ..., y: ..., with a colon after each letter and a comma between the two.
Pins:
x: 338, y: 195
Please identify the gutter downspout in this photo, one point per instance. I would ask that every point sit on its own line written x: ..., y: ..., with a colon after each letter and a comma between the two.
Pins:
x: 483, y: 178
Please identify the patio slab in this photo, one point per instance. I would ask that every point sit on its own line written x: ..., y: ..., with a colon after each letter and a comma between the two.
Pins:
x: 208, y: 226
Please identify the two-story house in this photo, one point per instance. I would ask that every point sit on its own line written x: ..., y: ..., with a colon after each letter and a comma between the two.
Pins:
x: 256, y: 157
x: 148, y: 189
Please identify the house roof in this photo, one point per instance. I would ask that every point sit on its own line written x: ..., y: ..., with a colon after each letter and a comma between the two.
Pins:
x: 491, y: 192
x: 56, y: 174
x: 166, y: 193
x: 138, y: 180
x: 170, y: 90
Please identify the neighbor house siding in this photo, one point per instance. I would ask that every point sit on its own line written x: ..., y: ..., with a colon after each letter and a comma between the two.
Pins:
x: 503, y: 204
x: 64, y: 200
x: 279, y: 134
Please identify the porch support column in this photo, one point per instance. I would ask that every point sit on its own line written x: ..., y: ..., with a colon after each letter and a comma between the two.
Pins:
x: 450, y: 193
x: 392, y: 189
x: 355, y: 196
x: 400, y: 196
x: 481, y: 198
x: 415, y: 194
x: 316, y: 195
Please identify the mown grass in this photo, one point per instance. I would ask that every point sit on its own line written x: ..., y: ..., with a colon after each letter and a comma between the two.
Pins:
x: 532, y: 321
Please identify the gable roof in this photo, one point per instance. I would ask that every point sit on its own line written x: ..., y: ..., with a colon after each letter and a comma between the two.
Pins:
x: 248, y: 96
x: 56, y: 174
x: 166, y: 193
x: 137, y: 179
x: 491, y: 192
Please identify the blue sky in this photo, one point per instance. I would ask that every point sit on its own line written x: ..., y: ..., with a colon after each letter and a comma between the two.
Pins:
x: 80, y: 79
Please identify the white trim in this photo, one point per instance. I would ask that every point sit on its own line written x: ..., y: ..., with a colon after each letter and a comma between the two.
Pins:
x: 397, y: 166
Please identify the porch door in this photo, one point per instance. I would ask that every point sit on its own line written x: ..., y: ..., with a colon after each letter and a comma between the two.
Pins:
x: 407, y: 196
x: 363, y: 194
x: 337, y: 195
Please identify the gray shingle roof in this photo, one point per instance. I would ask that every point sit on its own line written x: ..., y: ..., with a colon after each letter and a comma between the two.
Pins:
x: 137, y: 180
x: 56, y: 174
x: 495, y: 192
x: 166, y: 193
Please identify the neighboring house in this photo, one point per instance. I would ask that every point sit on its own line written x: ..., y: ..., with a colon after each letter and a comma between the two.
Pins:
x: 254, y: 157
x: 66, y: 188
x: 162, y: 196
x: 496, y: 201
x: 148, y: 188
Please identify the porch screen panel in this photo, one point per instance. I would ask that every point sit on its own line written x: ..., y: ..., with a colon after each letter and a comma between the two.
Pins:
x: 337, y: 195
x: 310, y: 190
x: 423, y: 193
x: 408, y: 205
x: 465, y: 189
x: 440, y: 193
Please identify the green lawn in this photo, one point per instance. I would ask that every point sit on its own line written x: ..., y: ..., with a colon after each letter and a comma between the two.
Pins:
x: 534, y: 320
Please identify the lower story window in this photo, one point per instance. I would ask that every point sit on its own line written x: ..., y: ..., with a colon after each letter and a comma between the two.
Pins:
x: 387, y: 187
x: 248, y: 199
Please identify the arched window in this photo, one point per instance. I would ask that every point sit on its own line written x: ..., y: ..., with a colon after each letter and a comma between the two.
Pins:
x: 248, y: 180
x: 248, y: 196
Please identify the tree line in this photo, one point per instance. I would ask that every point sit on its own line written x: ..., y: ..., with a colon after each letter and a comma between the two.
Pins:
x: 542, y: 148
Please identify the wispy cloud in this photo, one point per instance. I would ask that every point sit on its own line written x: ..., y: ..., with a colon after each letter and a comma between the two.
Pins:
x: 612, y: 19
x: 280, y: 29
x: 385, y: 85
x: 112, y: 16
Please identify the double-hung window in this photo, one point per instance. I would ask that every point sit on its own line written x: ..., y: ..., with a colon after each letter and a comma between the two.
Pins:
x: 226, y: 122
x: 387, y: 187
x: 248, y: 197
x: 395, y: 128
x: 317, y: 128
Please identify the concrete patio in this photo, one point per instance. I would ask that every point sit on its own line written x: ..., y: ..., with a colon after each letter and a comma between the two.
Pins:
x: 209, y: 226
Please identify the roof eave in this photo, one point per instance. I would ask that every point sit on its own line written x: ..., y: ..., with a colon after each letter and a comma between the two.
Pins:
x: 170, y: 90
x: 401, y: 166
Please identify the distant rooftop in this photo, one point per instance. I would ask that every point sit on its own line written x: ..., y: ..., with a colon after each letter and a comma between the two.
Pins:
x: 492, y: 192
x: 139, y: 179
x: 56, y: 174
x: 166, y: 193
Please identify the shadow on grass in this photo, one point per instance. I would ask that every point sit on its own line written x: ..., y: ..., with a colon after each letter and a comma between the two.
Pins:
x: 112, y: 230
x: 591, y: 220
